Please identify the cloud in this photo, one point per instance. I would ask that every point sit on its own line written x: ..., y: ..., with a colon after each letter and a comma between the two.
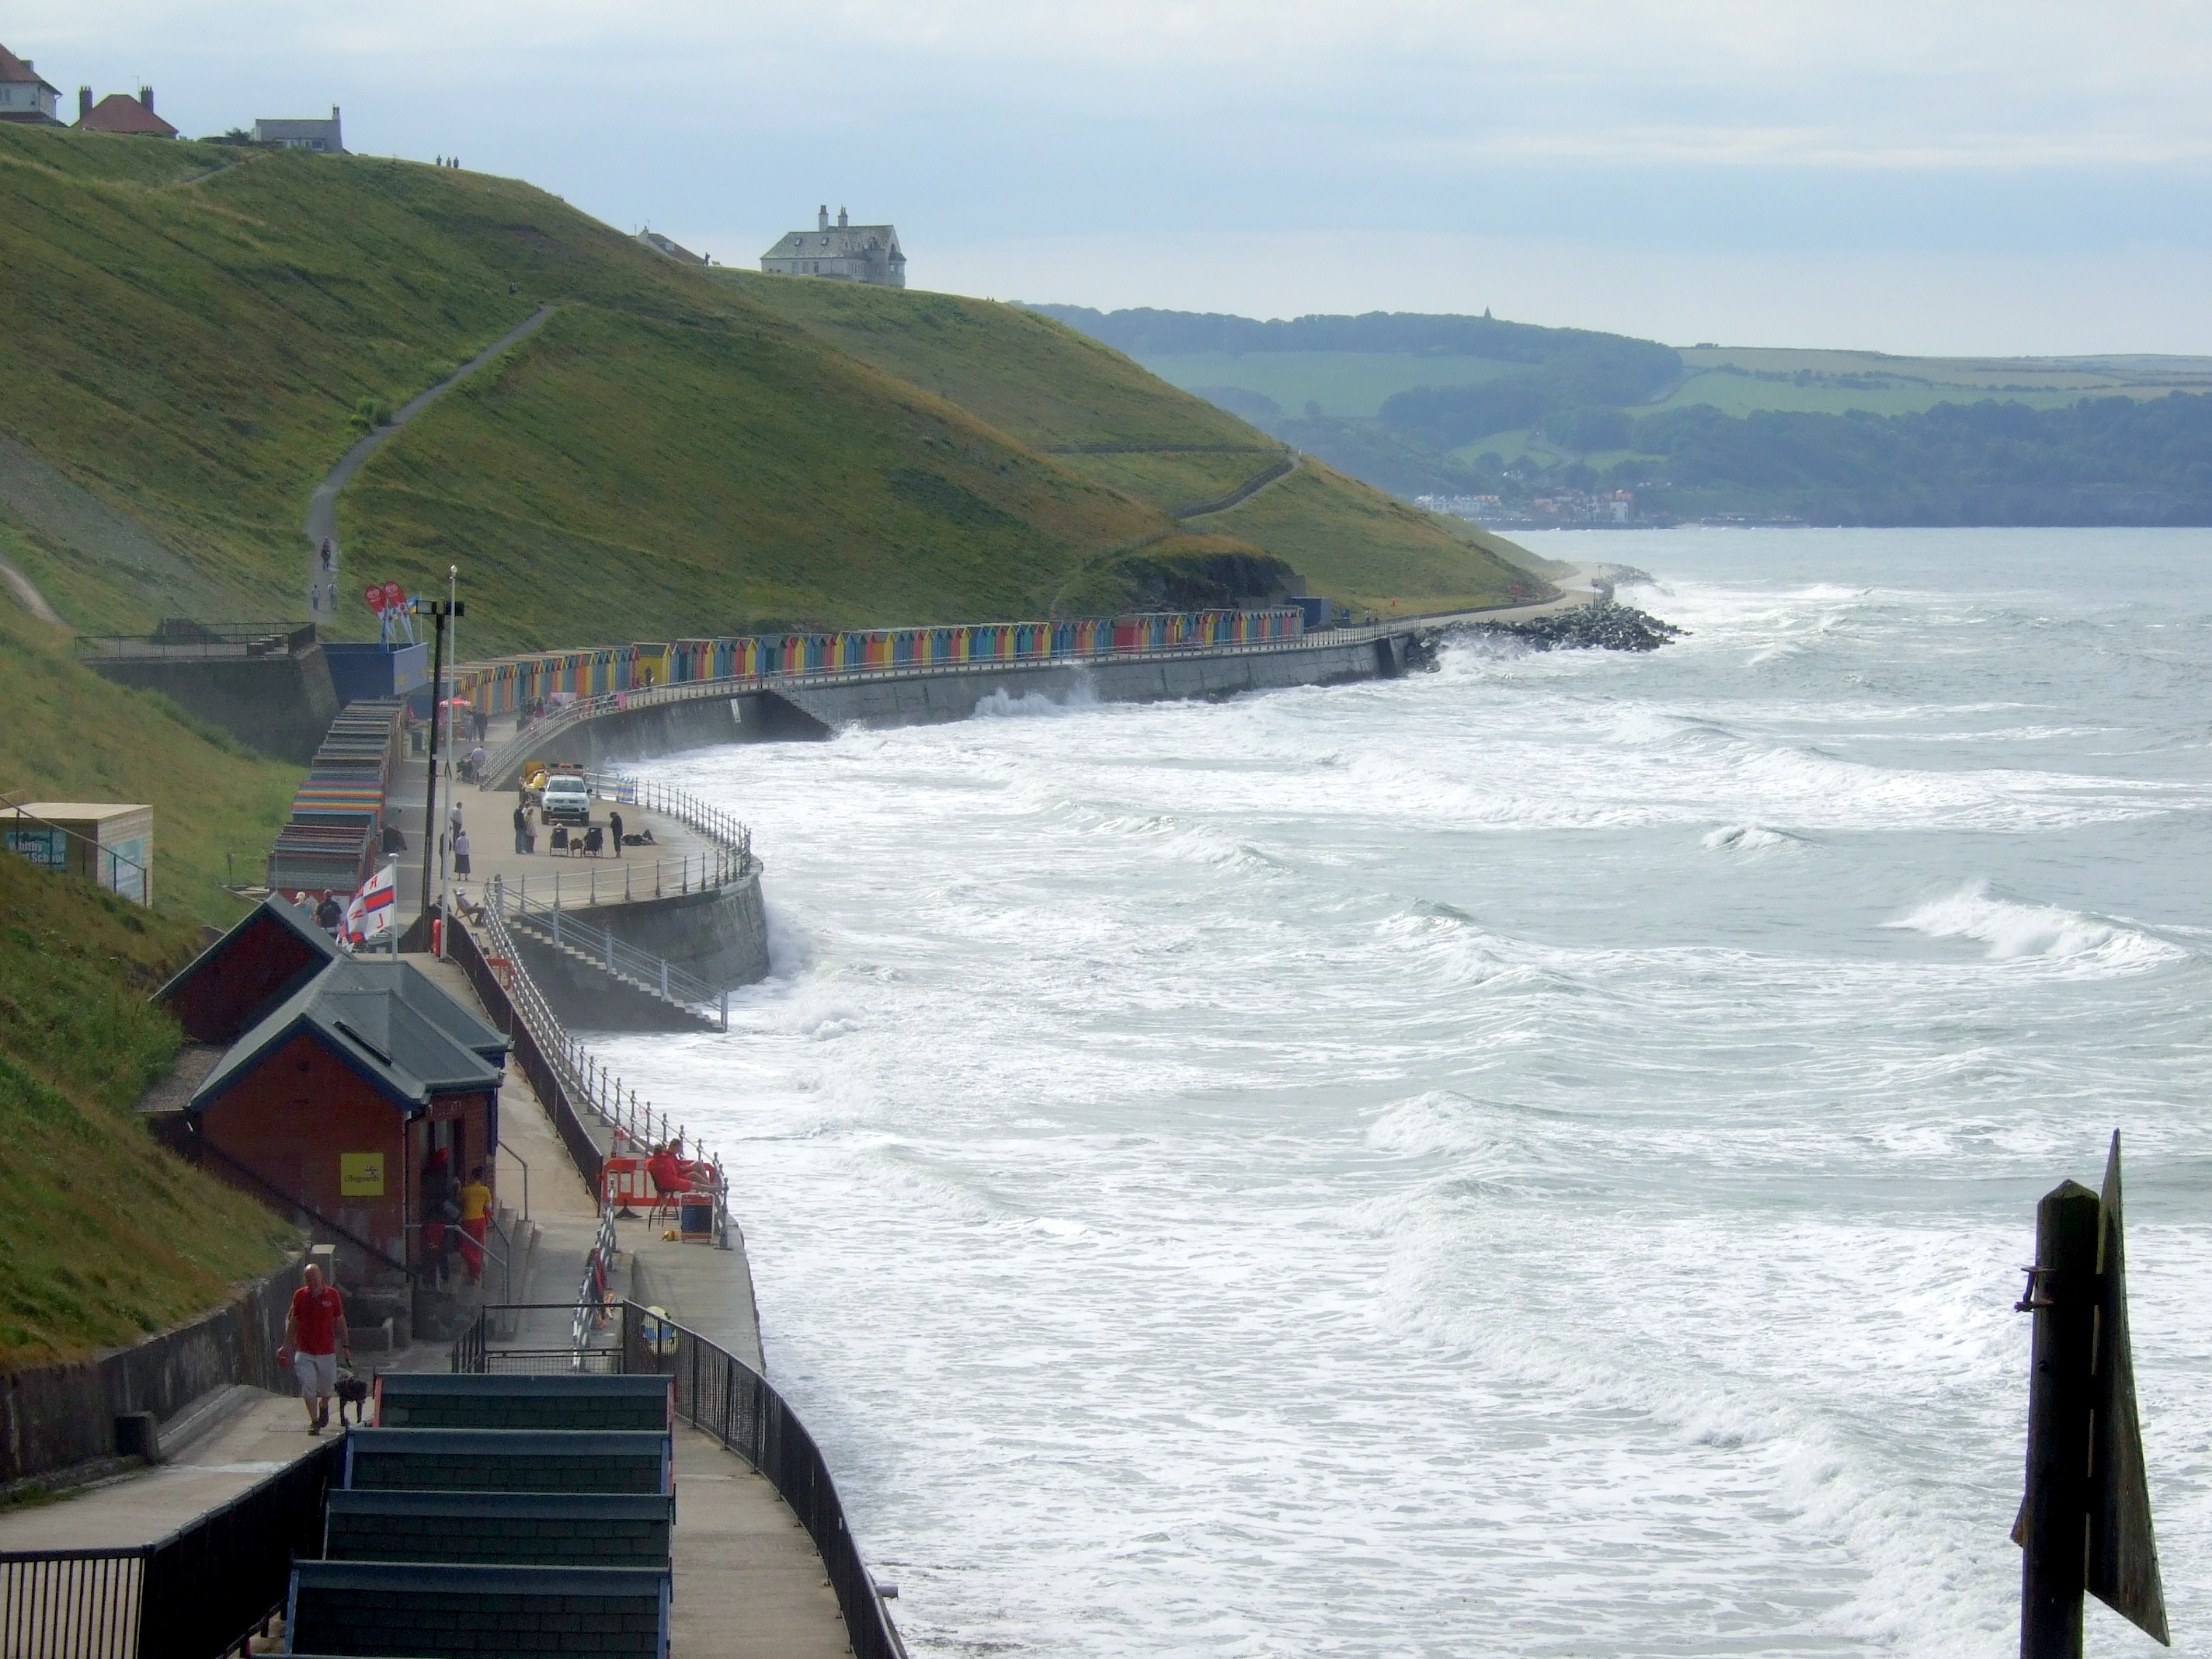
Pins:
x: 1696, y: 129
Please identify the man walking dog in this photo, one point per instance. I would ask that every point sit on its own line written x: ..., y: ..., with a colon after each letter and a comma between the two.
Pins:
x: 315, y: 1333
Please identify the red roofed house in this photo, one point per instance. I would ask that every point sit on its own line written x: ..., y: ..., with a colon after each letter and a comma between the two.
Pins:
x: 24, y: 97
x: 119, y: 112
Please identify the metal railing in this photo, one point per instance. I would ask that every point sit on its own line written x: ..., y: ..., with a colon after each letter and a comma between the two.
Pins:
x: 719, y: 826
x: 473, y: 1351
x: 198, y: 1594
x: 592, y: 1305
x: 721, y: 1396
x: 655, y: 976
x: 576, y: 1089
x: 196, y: 639
x: 627, y: 881
x: 527, y: 738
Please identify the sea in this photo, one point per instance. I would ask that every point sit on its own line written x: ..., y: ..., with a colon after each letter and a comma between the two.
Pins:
x: 1534, y: 1159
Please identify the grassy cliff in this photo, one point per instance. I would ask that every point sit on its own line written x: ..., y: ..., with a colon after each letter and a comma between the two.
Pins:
x: 105, y: 1235
x: 1103, y: 416
x: 197, y: 333
x: 69, y: 735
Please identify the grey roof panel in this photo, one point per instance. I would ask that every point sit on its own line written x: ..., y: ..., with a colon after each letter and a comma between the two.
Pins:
x: 378, y: 1021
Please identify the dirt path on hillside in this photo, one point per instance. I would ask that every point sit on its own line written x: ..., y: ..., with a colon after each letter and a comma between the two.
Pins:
x: 28, y: 591
x: 324, y: 575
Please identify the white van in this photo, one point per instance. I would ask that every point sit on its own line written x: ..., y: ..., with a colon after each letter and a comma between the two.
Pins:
x: 566, y: 799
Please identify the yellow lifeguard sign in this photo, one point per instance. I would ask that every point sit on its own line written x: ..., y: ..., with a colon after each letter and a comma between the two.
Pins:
x: 360, y: 1174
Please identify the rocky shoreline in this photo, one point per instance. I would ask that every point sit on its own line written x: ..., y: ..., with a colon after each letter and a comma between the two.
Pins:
x: 1606, y: 626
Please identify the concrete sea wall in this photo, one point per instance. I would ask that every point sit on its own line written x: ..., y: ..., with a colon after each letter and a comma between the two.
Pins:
x: 55, y: 1418
x: 795, y: 711
x: 280, y: 703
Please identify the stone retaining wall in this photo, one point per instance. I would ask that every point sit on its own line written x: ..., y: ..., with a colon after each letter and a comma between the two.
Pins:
x: 55, y: 1417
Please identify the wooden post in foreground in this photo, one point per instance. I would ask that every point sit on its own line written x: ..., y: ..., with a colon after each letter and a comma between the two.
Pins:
x: 2062, y: 1296
x: 2085, y: 1525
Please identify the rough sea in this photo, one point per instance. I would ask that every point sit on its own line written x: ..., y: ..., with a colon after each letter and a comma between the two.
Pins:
x: 1532, y: 1159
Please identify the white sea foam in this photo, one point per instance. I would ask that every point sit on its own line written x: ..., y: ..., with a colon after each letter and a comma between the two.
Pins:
x: 2012, y: 930
x: 1080, y: 697
x: 1412, y: 1168
x: 1744, y: 838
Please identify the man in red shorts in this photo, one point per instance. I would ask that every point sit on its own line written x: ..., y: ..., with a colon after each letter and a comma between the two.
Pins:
x: 315, y: 1333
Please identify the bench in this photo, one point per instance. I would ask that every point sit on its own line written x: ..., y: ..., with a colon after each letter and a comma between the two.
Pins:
x: 508, y: 1460
x: 447, y: 1612
x: 438, y: 1399
x: 509, y: 1528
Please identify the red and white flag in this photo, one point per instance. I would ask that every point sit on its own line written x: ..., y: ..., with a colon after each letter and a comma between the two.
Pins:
x: 373, y: 909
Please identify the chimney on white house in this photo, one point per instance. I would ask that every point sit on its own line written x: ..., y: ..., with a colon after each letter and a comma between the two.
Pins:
x: 821, y: 217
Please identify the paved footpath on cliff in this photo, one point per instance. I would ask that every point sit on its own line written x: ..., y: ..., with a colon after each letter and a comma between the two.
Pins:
x: 321, y: 526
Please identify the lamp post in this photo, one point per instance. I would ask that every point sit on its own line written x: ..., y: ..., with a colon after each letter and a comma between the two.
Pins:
x: 446, y: 859
x: 442, y: 611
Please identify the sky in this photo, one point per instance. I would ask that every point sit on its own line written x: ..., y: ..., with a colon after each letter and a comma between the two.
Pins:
x: 1953, y: 177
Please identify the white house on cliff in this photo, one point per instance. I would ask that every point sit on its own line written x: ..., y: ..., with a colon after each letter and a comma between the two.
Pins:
x: 854, y: 253
x: 25, y: 96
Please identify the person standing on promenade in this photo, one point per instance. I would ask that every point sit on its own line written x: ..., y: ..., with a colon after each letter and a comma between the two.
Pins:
x: 475, y: 1209
x: 315, y: 1333
x: 438, y: 1208
x: 460, y: 852
x: 614, y: 825
x: 521, y: 830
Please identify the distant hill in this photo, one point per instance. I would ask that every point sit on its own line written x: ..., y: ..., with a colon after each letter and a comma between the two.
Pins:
x: 196, y: 333
x: 1443, y: 405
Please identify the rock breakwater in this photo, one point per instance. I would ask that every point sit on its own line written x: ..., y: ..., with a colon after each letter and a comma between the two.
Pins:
x: 1604, y: 627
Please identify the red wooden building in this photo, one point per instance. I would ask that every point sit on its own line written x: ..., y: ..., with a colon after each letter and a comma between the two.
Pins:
x: 334, y: 1098
x: 227, y: 989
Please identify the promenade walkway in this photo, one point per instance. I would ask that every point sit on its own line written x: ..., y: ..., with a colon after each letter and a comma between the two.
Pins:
x: 261, y: 1434
x: 749, y: 1581
x: 750, y: 1584
x: 672, y: 864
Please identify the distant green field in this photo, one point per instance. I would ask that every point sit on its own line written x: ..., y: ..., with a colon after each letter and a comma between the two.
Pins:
x: 1342, y: 382
x: 1740, y: 394
x: 1510, y: 446
x: 1987, y: 374
x: 1353, y: 383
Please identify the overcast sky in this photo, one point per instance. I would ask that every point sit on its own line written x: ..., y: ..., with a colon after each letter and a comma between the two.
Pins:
x: 1952, y: 176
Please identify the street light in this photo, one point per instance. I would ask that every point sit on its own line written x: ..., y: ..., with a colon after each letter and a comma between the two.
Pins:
x: 443, y: 611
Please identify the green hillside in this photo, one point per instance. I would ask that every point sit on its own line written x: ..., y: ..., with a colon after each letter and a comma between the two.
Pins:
x: 197, y: 333
x: 1100, y: 413
x: 69, y: 735
x: 105, y: 1235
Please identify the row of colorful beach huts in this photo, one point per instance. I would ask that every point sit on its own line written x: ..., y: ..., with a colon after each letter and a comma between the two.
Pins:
x: 334, y: 839
x: 509, y: 684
